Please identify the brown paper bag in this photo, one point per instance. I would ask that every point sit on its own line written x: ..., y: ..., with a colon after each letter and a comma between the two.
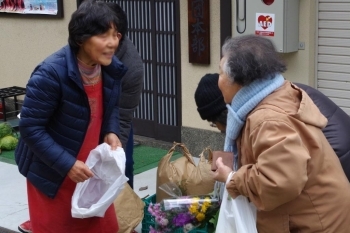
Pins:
x: 129, y: 209
x: 176, y: 171
x: 201, y: 179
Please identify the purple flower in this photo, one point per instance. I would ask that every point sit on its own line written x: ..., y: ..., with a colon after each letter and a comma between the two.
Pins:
x: 182, y: 219
x: 154, y: 209
x: 150, y: 209
x: 163, y: 222
x: 158, y: 218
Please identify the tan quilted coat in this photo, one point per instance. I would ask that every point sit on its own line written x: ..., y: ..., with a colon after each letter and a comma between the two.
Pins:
x: 289, y: 170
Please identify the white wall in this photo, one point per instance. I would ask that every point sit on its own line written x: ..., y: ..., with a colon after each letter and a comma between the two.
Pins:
x: 301, y: 64
x: 25, y: 42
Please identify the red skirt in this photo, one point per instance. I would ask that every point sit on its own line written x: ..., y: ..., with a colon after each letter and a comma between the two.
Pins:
x: 54, y: 215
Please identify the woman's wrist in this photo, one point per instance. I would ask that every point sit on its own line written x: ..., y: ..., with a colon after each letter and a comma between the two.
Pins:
x: 229, y: 177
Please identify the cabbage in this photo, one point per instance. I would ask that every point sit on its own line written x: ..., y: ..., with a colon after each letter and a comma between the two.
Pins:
x: 5, y: 129
x: 8, y: 143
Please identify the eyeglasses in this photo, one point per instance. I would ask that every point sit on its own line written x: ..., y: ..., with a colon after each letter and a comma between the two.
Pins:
x: 212, y: 124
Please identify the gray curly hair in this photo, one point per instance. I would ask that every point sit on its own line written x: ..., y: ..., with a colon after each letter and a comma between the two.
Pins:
x: 250, y: 58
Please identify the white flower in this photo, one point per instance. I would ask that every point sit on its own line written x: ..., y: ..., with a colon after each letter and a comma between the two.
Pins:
x: 188, y: 227
x: 164, y: 222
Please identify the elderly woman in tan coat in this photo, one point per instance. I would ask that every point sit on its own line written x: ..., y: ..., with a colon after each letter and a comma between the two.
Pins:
x: 283, y: 162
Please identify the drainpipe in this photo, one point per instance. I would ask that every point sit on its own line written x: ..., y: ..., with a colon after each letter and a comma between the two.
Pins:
x: 225, y: 21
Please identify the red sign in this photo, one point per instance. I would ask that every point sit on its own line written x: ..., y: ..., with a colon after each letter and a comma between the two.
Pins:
x: 265, y: 24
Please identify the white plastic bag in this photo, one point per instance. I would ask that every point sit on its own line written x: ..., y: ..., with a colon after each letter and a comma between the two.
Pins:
x: 92, y: 197
x: 236, y: 215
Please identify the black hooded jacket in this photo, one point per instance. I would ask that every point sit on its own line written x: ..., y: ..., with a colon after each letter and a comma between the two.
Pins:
x: 337, y: 130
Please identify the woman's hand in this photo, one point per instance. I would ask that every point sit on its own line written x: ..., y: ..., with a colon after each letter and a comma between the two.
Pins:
x: 80, y: 172
x: 222, y: 171
x: 112, y: 140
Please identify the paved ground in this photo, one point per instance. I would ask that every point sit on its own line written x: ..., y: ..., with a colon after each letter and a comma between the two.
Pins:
x: 13, y: 197
x: 13, y: 194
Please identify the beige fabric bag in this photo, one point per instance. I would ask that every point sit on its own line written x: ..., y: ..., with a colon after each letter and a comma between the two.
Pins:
x: 201, y: 179
x: 129, y: 209
x: 174, y: 171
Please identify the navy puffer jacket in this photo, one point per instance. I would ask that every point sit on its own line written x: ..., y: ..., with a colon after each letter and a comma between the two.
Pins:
x: 337, y: 131
x: 55, y: 116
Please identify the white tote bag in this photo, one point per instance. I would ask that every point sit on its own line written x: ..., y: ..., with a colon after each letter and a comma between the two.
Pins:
x: 236, y: 215
x: 92, y: 197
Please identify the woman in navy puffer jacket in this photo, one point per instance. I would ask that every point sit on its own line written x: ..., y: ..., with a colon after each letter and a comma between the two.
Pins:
x: 71, y: 106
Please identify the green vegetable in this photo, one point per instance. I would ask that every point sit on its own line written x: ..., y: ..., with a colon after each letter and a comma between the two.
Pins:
x: 15, y: 134
x: 214, y: 219
x: 5, y: 129
x: 8, y: 143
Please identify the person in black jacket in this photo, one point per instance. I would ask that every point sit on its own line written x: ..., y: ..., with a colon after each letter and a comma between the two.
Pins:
x: 210, y: 102
x: 132, y: 84
x: 211, y: 107
x: 337, y: 130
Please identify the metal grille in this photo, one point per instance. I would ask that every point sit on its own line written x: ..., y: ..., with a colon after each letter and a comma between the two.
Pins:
x: 153, y: 26
x: 166, y: 70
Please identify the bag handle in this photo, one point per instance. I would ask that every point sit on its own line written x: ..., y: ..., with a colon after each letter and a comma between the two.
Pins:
x: 185, y: 151
x: 210, y: 154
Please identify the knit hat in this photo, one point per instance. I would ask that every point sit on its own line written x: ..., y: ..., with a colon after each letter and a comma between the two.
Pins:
x: 208, y: 97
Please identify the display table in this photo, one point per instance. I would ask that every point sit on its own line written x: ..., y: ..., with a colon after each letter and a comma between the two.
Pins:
x: 10, y: 92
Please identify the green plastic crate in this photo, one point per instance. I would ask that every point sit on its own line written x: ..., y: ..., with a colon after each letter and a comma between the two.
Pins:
x: 148, y: 219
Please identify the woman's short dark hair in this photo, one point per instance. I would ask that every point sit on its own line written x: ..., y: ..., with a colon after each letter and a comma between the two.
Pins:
x: 249, y: 58
x: 123, y: 19
x: 91, y: 18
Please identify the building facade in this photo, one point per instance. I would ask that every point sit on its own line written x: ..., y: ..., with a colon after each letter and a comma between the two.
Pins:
x: 160, y: 31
